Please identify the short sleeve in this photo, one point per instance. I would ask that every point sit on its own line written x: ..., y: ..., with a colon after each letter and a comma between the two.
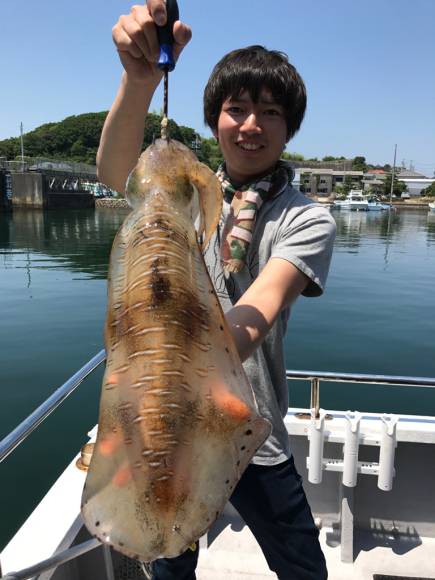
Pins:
x: 306, y: 240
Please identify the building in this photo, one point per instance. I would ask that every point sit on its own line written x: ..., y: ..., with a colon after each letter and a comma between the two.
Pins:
x: 415, y: 181
x: 323, y: 181
x: 374, y: 181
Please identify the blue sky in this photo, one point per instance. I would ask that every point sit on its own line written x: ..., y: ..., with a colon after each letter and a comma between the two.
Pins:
x: 368, y: 67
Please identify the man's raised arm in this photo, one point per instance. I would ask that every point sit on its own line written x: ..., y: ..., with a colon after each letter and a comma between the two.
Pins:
x: 135, y: 38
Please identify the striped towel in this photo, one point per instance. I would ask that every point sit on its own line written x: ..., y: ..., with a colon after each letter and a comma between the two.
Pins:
x: 245, y: 204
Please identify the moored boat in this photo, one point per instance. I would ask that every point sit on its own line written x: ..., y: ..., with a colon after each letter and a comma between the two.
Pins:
x: 376, y: 205
x: 432, y: 206
x: 355, y: 201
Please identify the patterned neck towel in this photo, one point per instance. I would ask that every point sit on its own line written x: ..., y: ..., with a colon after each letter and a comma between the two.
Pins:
x: 245, y: 203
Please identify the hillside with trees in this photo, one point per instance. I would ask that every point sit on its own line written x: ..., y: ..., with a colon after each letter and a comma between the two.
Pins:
x: 76, y: 139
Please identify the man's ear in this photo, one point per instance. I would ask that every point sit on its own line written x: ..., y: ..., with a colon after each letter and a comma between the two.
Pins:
x: 215, y: 134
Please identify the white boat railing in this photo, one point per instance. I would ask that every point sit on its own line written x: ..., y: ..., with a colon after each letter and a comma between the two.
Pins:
x: 53, y: 562
x: 332, y: 377
x: 26, y: 427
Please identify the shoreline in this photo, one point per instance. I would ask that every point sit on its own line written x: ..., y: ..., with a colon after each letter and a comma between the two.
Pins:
x: 121, y: 203
x: 111, y: 203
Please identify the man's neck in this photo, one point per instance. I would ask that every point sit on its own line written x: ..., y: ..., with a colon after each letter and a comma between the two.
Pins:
x: 240, y: 181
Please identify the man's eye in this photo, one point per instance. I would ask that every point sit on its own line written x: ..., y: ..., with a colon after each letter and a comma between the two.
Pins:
x: 272, y: 112
x: 235, y: 110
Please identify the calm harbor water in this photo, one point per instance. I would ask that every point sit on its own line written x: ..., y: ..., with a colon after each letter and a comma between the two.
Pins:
x: 376, y: 317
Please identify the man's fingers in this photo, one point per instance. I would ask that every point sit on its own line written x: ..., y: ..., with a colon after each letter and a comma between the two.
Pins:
x: 150, y: 31
x: 124, y: 43
x: 134, y: 30
x: 135, y: 34
x: 157, y: 9
x: 182, y: 35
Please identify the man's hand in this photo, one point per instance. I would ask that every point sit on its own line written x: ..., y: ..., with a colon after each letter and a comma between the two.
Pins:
x: 135, y: 38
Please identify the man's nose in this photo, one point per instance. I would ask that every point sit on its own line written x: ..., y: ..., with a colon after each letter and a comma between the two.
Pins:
x: 250, y: 124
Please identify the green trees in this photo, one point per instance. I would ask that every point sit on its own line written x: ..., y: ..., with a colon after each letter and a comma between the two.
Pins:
x: 332, y: 158
x: 152, y: 129
x: 76, y: 138
x: 399, y: 187
x: 347, y: 184
x: 359, y: 163
x: 210, y: 153
x: 10, y: 148
x: 189, y: 136
x: 293, y: 156
x: 429, y: 191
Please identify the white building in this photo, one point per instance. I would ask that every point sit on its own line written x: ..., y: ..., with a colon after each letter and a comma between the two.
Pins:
x: 415, y: 182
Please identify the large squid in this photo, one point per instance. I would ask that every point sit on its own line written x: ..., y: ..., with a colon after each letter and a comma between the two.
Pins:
x: 178, y: 421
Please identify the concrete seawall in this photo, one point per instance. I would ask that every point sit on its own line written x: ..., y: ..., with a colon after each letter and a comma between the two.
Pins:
x: 31, y: 190
x: 28, y: 190
x: 410, y: 205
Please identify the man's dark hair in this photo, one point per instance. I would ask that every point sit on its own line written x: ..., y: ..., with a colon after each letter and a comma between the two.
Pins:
x: 252, y: 69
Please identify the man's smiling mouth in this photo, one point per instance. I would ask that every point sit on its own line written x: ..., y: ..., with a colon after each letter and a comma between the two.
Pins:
x: 249, y: 146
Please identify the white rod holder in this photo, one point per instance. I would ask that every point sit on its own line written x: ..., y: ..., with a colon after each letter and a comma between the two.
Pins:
x: 387, y: 452
x: 350, y: 450
x: 317, y: 431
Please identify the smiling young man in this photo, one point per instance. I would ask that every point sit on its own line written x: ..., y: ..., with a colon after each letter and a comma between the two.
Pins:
x: 251, y: 134
x: 272, y: 245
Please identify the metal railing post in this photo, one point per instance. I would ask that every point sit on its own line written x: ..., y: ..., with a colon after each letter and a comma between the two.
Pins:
x: 315, y: 396
x: 108, y: 562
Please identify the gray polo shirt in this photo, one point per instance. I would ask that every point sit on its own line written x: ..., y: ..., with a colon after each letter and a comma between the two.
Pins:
x: 291, y: 227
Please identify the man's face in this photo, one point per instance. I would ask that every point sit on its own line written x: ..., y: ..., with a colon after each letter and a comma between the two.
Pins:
x: 251, y: 135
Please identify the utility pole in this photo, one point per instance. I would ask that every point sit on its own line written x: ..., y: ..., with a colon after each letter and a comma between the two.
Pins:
x: 22, y: 146
x: 392, y: 174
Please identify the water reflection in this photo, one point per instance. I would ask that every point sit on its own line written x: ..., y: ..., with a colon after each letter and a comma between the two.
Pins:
x: 355, y: 229
x: 79, y: 240
x: 431, y: 228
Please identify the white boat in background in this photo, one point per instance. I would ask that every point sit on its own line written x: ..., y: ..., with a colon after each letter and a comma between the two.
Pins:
x: 432, y: 206
x: 355, y: 201
x: 368, y: 477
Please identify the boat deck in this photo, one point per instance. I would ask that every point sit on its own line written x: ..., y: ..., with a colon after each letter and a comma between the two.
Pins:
x: 230, y: 552
x: 233, y: 554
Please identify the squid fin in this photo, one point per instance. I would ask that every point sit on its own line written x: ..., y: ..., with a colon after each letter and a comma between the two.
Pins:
x: 210, y: 200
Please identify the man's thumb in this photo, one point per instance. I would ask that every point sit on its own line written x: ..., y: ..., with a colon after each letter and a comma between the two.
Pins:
x: 182, y: 35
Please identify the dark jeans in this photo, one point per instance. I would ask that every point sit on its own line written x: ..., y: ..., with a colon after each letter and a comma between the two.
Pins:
x: 272, y: 502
